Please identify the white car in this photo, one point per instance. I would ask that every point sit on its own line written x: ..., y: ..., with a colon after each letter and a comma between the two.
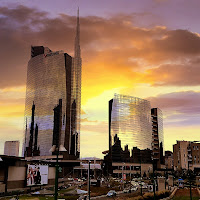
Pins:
x: 111, y: 193
x: 145, y: 186
x: 127, y: 190
x: 133, y: 189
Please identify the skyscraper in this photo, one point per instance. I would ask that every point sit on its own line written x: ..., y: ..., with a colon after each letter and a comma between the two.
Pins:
x: 157, y: 137
x: 130, y: 119
x: 52, y: 78
x: 11, y: 148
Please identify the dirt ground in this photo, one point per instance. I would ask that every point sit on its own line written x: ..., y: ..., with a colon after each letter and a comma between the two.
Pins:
x: 186, y: 192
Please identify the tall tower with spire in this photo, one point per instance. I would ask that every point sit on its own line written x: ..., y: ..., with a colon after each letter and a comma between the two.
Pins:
x: 76, y: 93
x: 54, y: 76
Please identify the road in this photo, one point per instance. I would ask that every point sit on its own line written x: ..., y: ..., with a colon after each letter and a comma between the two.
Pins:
x: 120, y: 193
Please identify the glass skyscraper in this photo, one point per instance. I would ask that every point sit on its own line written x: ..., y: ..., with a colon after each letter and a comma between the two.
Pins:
x: 51, y: 77
x: 130, y: 119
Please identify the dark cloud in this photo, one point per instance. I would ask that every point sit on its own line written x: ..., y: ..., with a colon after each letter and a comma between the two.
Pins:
x: 174, y: 74
x: 183, y: 102
x: 22, y: 13
x: 109, y: 44
x: 179, y: 108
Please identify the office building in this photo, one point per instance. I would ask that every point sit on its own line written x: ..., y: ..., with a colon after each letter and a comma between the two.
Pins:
x: 169, y: 161
x: 186, y: 155
x: 157, y: 137
x: 11, y: 148
x: 130, y: 119
x: 114, y: 160
x: 54, y: 78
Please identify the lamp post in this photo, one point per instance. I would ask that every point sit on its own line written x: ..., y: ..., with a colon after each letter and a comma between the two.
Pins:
x: 130, y: 172
x: 154, y: 191
x: 57, y: 151
x: 140, y: 175
x: 189, y: 179
x: 190, y: 173
x: 56, y: 179
x: 89, y: 179
x: 123, y: 176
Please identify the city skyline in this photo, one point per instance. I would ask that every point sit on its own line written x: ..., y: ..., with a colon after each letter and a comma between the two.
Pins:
x: 135, y: 48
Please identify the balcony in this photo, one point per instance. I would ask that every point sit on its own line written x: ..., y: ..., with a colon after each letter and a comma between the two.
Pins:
x: 155, y: 124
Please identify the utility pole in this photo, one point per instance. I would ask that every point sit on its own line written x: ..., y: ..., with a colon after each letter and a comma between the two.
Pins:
x: 154, y: 191
x: 189, y: 175
x: 140, y: 175
x: 123, y: 176
x: 56, y: 181
x: 130, y: 172
x: 89, y: 179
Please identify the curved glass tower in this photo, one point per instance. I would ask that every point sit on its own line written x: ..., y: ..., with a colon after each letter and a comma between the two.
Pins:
x: 130, y: 119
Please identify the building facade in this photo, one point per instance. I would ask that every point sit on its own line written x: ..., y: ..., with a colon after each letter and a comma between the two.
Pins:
x: 11, y: 148
x: 54, y: 77
x: 130, y: 119
x: 169, y: 161
x: 157, y: 137
x: 186, y: 155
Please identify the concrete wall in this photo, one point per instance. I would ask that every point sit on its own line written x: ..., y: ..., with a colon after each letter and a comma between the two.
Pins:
x: 16, y: 173
x: 147, y: 168
x: 161, y: 183
x: 2, y: 188
x: 16, y: 177
x: 170, y: 180
x: 52, y: 173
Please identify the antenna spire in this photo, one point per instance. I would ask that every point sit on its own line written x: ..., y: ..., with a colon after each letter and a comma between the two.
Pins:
x: 77, y: 53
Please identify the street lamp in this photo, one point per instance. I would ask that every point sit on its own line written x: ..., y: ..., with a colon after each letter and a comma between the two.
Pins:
x: 123, y: 175
x: 140, y: 175
x: 89, y: 178
x: 57, y: 151
x: 130, y: 171
x: 190, y: 157
x: 154, y: 191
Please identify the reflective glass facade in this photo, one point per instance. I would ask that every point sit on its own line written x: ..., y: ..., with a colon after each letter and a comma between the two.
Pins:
x: 130, y: 119
x: 52, y: 77
x: 46, y: 84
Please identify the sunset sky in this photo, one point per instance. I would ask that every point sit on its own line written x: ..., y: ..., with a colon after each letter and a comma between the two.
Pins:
x: 144, y: 48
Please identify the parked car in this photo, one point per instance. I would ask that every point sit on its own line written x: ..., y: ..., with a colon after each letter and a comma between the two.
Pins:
x: 83, y: 197
x: 133, y: 189
x: 127, y: 190
x: 145, y: 186
x: 111, y: 193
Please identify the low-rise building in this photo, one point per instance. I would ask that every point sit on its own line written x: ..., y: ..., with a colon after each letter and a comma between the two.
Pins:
x: 169, y: 161
x: 186, y: 155
x: 11, y: 148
